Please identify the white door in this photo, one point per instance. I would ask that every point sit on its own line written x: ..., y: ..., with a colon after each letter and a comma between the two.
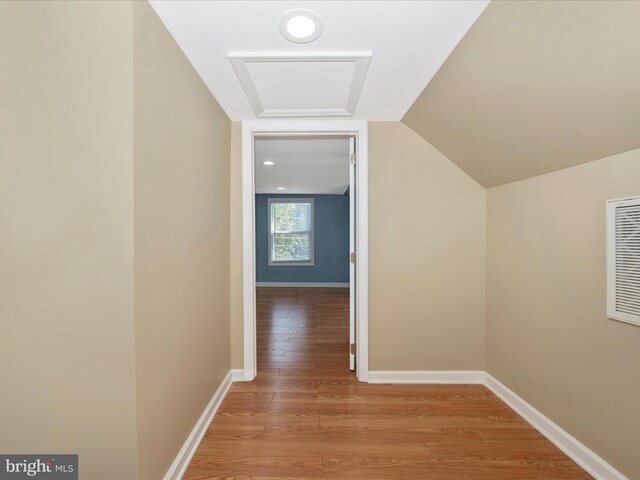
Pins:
x: 352, y: 249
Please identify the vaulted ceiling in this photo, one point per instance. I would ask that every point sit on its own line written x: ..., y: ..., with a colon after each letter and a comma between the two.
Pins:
x: 407, y: 42
x: 510, y: 91
x: 536, y: 86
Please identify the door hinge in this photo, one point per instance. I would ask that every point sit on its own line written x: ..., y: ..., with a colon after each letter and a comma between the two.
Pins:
x: 353, y: 349
x: 353, y: 257
x: 352, y: 158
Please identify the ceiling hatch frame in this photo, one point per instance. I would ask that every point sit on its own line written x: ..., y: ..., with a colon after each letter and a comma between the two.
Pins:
x: 360, y: 60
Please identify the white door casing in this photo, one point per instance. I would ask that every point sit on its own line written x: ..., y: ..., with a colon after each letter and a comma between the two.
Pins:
x: 352, y: 249
x: 356, y: 128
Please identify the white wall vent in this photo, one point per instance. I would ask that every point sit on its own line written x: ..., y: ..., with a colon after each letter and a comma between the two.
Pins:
x: 623, y: 260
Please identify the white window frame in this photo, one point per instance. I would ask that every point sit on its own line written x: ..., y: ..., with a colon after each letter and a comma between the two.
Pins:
x: 312, y: 242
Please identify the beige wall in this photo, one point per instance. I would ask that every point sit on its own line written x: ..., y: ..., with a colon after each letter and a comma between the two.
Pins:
x: 548, y: 337
x: 80, y: 81
x: 426, y: 256
x: 536, y: 86
x: 66, y: 234
x: 181, y: 205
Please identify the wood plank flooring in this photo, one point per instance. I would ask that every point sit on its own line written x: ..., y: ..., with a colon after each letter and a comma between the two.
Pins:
x: 306, y: 416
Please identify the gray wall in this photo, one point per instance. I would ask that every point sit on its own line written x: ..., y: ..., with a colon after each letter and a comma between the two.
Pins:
x: 331, y: 215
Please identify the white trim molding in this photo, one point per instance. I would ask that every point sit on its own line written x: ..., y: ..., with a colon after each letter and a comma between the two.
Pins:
x: 427, y: 376
x: 303, y: 284
x: 181, y: 462
x: 591, y: 462
x: 319, y: 128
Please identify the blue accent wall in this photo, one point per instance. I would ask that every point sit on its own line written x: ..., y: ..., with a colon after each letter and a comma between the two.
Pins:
x: 331, y: 216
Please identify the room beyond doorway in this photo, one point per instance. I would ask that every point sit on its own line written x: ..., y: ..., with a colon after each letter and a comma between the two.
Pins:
x: 302, y: 210
x: 303, y: 251
x: 305, y: 227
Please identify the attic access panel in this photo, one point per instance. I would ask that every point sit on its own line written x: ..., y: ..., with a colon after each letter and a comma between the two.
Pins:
x: 310, y: 85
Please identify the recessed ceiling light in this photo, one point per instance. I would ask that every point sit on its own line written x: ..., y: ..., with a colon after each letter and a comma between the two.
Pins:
x: 267, y: 162
x: 301, y: 26
x: 280, y: 188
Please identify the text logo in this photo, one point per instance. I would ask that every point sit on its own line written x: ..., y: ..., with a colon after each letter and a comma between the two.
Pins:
x: 44, y: 467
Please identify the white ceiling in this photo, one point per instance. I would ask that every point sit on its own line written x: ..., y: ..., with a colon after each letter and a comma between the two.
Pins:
x: 308, y: 165
x: 408, y: 41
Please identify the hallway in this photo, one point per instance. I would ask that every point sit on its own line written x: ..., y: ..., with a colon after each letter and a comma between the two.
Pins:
x: 306, y: 416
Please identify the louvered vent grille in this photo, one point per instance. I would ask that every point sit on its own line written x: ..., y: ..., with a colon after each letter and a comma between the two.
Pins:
x: 624, y: 260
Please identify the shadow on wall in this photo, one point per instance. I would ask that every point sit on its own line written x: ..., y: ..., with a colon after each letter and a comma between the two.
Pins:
x: 331, y: 242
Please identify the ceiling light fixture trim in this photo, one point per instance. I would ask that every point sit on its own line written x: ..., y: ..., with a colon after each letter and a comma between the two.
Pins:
x: 301, y: 26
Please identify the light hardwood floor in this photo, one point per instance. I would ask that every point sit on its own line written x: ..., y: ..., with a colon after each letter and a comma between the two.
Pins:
x: 306, y: 416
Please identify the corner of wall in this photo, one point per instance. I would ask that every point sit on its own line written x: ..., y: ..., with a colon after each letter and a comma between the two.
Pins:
x: 235, y: 252
x: 435, y: 148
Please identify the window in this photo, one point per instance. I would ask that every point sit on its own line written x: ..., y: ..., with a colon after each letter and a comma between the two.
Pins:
x: 291, y: 232
x: 623, y: 260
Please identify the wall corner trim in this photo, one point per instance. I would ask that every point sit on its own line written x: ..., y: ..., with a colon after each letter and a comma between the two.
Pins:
x: 591, y: 462
x: 181, y: 462
x: 587, y: 459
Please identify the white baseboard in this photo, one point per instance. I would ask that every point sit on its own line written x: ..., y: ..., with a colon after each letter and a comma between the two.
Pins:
x: 302, y: 284
x: 593, y: 464
x: 237, y: 375
x: 181, y: 462
x: 426, y: 376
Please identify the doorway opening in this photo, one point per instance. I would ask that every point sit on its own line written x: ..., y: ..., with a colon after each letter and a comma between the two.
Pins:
x: 305, y: 247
